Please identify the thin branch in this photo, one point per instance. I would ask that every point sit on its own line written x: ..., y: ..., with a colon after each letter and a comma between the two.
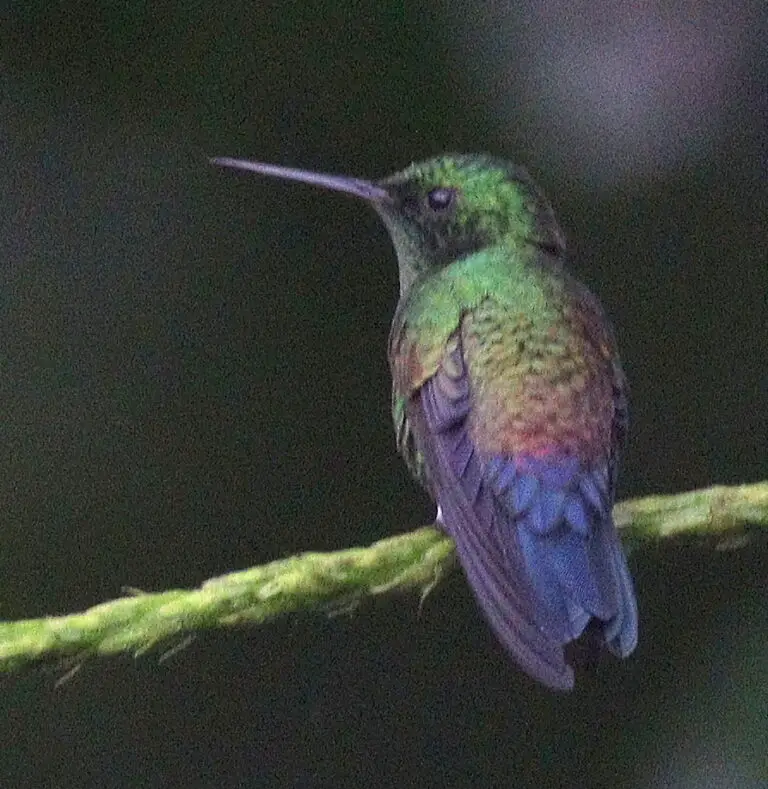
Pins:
x: 718, y: 517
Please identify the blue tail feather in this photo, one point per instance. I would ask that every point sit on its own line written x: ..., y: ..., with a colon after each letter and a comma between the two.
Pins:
x: 571, y: 552
x: 575, y: 514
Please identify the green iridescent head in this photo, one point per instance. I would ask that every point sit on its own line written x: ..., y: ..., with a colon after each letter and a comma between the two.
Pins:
x: 445, y: 208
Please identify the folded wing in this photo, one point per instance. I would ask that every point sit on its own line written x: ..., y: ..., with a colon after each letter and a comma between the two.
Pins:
x: 534, y: 535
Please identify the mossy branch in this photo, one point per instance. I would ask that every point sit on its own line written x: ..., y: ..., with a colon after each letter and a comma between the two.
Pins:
x: 717, y: 517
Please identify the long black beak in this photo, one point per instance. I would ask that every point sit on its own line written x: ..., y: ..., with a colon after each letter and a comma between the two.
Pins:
x: 339, y: 183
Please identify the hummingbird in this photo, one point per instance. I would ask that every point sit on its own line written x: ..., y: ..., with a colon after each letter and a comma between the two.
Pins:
x: 508, y: 399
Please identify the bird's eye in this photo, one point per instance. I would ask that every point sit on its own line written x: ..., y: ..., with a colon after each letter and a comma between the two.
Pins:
x: 441, y: 198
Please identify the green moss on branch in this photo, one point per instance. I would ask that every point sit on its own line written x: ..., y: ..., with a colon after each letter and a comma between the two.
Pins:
x: 718, y: 517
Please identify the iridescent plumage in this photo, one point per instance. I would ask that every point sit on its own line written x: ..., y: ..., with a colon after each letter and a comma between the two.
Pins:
x: 509, y: 401
x: 510, y: 407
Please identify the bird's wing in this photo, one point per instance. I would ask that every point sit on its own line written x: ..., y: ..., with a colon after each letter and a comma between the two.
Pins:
x: 534, y: 534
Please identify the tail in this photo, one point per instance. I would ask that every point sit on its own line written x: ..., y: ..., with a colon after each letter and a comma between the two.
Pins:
x: 558, y: 515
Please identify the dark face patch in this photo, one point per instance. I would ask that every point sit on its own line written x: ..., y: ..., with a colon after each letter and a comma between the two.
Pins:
x: 429, y: 218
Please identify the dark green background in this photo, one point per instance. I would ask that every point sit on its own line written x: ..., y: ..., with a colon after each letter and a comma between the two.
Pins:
x: 193, y: 380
